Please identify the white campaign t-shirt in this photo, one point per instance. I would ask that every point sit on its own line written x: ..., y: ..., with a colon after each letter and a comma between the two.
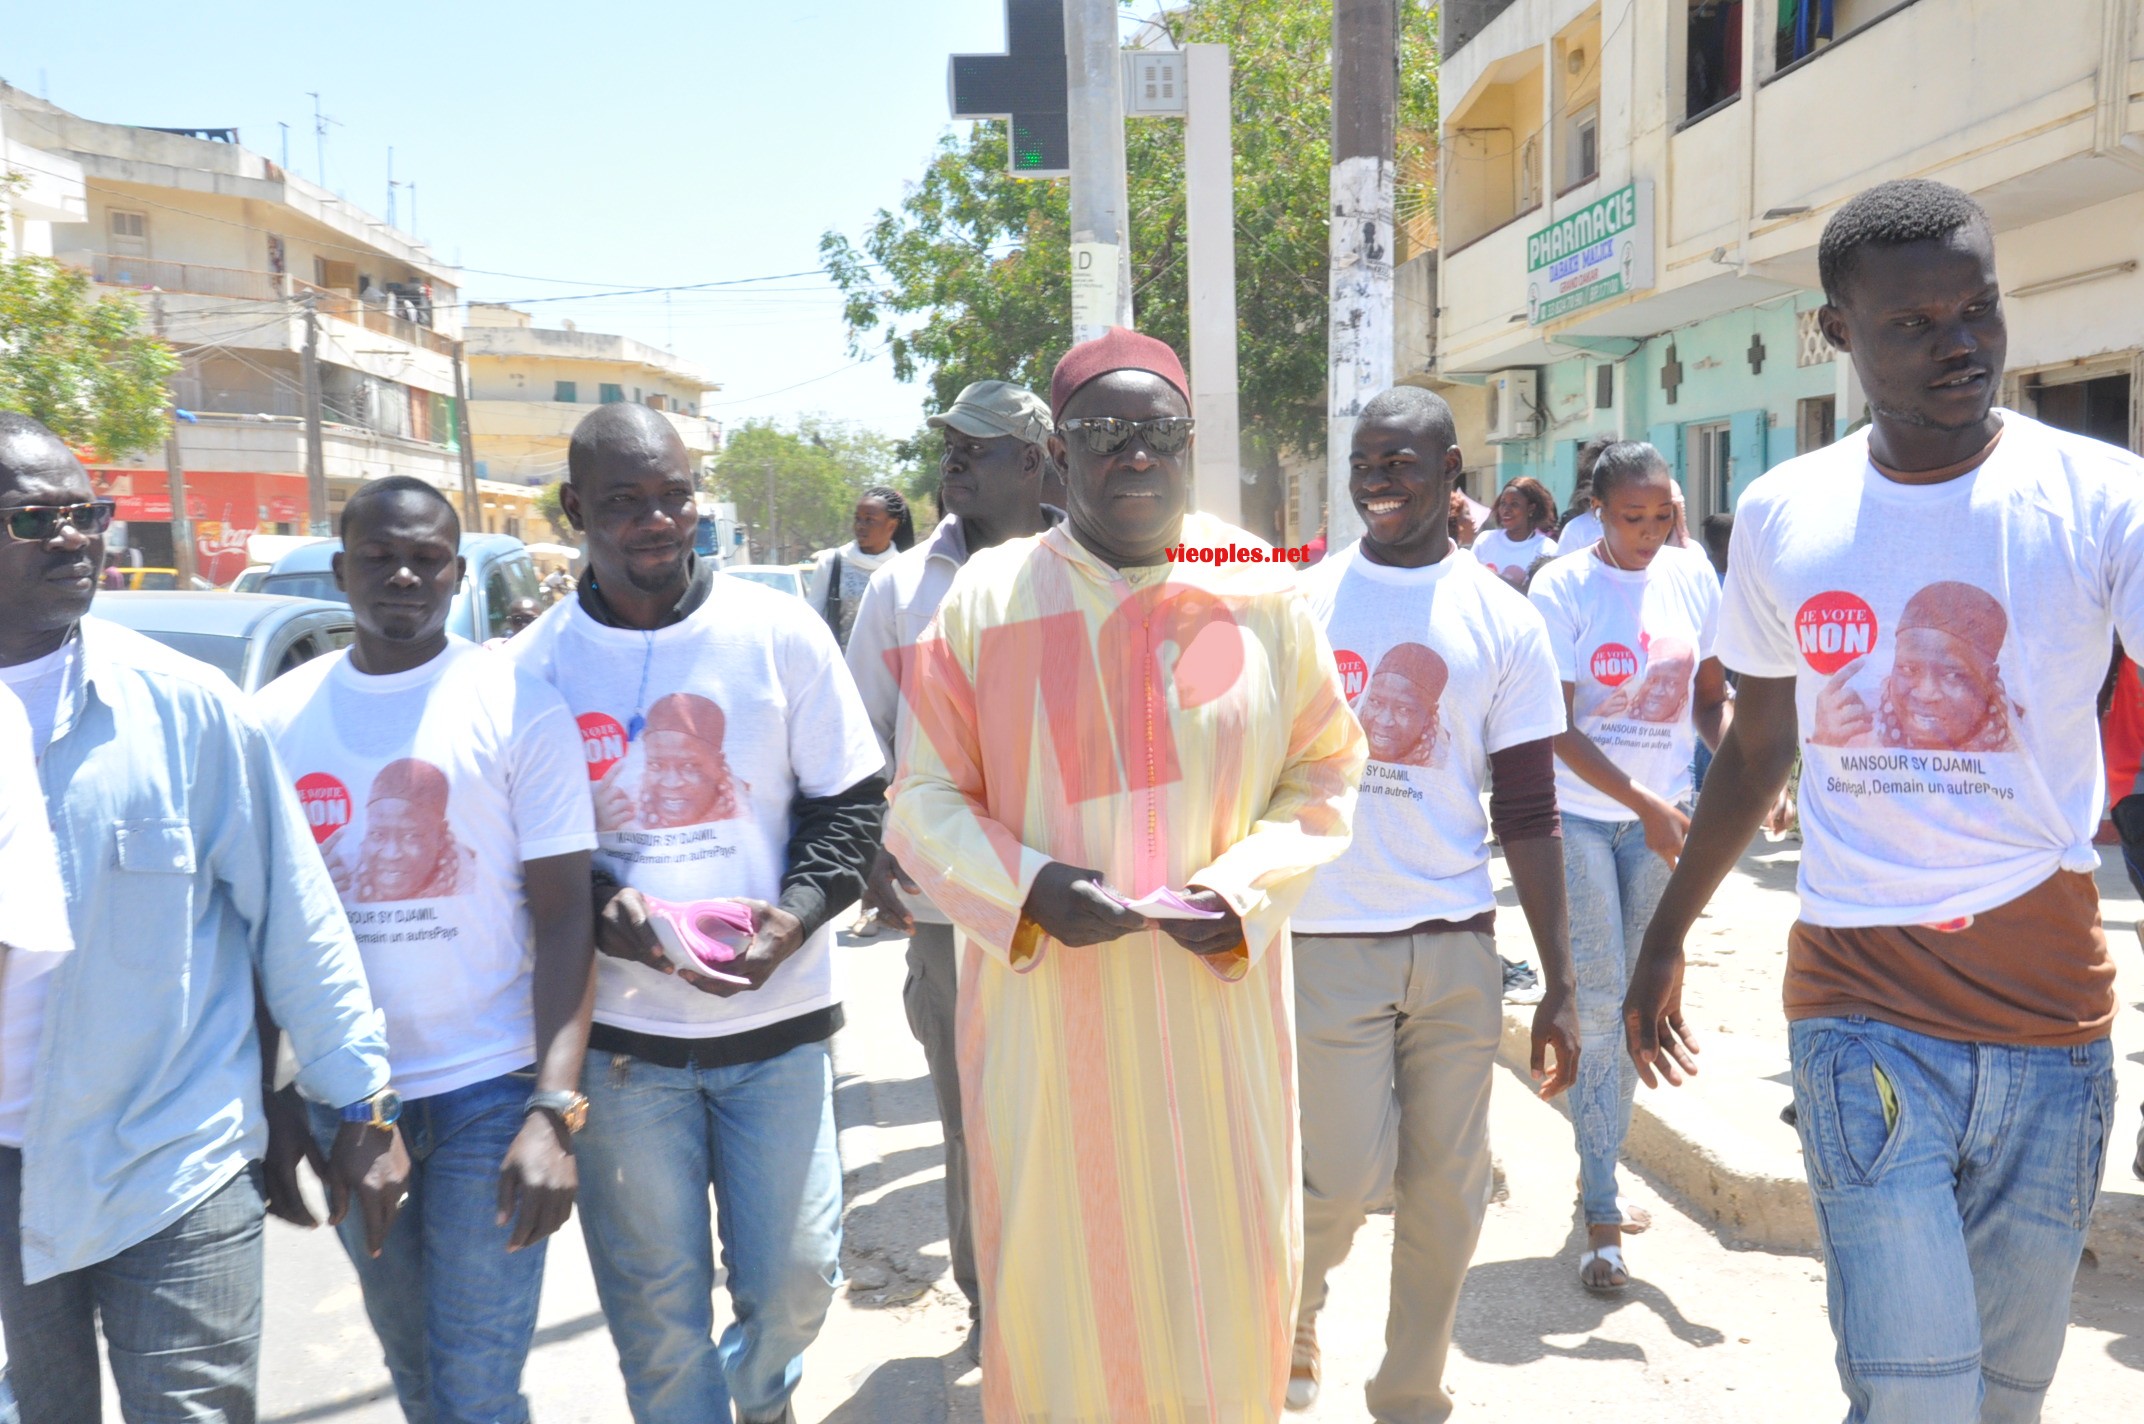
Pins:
x: 33, y: 902
x: 426, y: 790
x: 1947, y: 644
x: 1443, y: 665
x: 1510, y: 558
x: 697, y: 738
x: 1629, y: 642
x: 1581, y: 534
x: 856, y: 570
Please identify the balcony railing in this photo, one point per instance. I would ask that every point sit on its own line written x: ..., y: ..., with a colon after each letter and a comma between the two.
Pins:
x: 373, y: 318
x: 114, y: 269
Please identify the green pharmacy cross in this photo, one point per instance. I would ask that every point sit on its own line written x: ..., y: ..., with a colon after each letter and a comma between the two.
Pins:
x: 1026, y: 86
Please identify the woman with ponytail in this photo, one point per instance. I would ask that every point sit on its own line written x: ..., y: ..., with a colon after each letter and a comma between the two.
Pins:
x: 883, y: 527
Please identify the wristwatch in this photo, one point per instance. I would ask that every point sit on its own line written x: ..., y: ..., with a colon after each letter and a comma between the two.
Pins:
x: 569, y: 1107
x: 382, y: 1110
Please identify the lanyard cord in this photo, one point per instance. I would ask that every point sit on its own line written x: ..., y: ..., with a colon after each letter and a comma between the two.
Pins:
x: 639, y: 722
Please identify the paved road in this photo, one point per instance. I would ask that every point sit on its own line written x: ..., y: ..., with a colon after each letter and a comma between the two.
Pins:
x: 1705, y: 1334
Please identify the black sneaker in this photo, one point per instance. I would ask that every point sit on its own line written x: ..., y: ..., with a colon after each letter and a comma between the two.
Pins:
x: 1521, y: 984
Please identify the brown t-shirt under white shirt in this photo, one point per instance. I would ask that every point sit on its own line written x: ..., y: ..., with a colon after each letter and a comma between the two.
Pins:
x: 2034, y: 971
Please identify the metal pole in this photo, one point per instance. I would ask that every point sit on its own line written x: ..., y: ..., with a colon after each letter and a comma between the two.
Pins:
x: 472, y: 505
x: 1101, y: 229
x: 1210, y: 203
x: 1365, y: 110
x: 316, y: 470
x: 182, y: 523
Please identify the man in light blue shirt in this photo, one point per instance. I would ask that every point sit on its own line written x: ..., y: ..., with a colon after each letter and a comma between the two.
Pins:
x: 130, y: 1073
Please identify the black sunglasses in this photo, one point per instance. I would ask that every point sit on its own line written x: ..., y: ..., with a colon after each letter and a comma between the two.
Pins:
x: 40, y: 523
x: 1106, y: 435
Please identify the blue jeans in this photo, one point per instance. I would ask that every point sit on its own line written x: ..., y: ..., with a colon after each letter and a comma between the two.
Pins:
x: 1613, y: 883
x: 454, y: 1310
x: 762, y: 1136
x: 181, y: 1313
x: 1953, y: 1183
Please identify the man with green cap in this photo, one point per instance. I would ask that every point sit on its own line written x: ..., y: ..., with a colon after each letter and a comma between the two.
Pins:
x: 994, y: 475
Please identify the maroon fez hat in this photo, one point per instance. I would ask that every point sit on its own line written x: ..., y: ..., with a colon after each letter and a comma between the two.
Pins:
x: 1118, y: 349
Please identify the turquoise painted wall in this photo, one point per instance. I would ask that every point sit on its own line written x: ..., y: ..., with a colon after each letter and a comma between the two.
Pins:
x: 1717, y: 385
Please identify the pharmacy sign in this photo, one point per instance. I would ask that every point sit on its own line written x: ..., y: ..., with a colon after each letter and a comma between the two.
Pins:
x: 1603, y: 250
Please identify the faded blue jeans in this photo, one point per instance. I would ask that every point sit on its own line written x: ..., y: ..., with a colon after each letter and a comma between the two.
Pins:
x: 454, y: 1310
x: 1613, y: 883
x: 1953, y: 1183
x: 181, y: 1314
x: 761, y: 1135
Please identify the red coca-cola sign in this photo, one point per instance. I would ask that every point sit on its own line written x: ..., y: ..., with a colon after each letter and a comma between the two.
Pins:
x: 326, y: 803
x: 602, y: 742
x: 1832, y: 629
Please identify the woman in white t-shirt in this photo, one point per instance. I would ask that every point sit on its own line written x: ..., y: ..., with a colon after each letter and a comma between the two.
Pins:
x: 883, y: 528
x: 1526, y: 524
x: 1631, y: 622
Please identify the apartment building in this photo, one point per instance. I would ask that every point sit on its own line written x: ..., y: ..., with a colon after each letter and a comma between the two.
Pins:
x: 1632, y: 191
x: 234, y: 257
x: 530, y: 385
x: 41, y: 189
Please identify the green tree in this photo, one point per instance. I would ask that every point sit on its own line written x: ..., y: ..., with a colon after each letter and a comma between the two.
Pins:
x: 968, y: 279
x: 796, y: 486
x: 80, y: 362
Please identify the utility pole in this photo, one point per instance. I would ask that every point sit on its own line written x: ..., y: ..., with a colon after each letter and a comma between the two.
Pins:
x: 1210, y: 209
x: 472, y: 506
x: 1101, y: 231
x: 390, y: 185
x: 182, y: 522
x: 1365, y: 112
x: 286, y: 143
x: 316, y: 470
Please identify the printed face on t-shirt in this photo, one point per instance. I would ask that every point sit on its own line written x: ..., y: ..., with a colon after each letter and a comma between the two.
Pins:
x: 1513, y: 574
x: 1399, y: 707
x: 1943, y: 690
x: 684, y: 781
x: 679, y: 777
x: 1663, y: 693
x: 406, y: 849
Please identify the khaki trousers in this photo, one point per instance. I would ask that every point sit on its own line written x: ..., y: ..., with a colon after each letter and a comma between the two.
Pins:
x: 932, y: 990
x: 1396, y: 1039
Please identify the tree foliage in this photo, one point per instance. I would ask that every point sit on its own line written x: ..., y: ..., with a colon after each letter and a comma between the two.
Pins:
x: 969, y: 278
x: 796, y: 486
x: 79, y: 362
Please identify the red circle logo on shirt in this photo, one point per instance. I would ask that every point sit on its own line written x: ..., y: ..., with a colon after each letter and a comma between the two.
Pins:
x: 602, y: 742
x: 1354, y: 672
x: 326, y: 802
x: 1614, y: 665
x: 1832, y: 629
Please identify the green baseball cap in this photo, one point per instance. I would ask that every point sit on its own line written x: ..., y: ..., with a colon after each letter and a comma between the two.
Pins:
x: 989, y: 409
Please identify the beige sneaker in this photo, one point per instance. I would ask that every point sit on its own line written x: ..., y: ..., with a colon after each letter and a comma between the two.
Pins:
x: 1304, y: 1367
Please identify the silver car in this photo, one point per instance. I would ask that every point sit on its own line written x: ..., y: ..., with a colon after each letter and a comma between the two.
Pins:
x: 252, y: 638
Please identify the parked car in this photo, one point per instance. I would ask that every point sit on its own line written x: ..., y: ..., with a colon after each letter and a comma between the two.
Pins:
x: 162, y: 580
x: 781, y: 576
x: 249, y: 579
x: 252, y: 638
x: 500, y: 571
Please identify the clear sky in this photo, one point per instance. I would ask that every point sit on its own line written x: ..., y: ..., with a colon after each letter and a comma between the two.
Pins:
x: 618, y: 143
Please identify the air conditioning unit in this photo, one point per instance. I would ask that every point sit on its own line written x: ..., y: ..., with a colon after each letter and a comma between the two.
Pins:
x: 1513, y: 398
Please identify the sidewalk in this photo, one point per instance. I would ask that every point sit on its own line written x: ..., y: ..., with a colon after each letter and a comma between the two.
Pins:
x: 1717, y: 1143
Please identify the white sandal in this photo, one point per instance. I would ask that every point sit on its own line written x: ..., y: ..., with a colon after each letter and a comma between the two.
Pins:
x: 1613, y: 1255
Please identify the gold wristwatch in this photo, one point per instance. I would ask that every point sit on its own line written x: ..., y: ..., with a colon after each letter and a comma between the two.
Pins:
x: 569, y: 1107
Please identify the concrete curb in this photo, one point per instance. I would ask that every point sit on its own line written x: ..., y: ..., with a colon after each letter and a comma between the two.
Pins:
x: 1723, y: 1159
